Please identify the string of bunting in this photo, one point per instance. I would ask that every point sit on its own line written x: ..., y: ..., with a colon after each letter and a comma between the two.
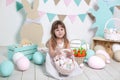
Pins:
x: 72, y: 18
x: 51, y: 16
x: 66, y: 2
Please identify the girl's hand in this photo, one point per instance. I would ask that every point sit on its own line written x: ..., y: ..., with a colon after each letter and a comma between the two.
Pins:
x: 58, y: 51
x: 68, y: 52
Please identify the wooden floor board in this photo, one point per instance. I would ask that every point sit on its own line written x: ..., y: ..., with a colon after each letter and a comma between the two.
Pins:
x: 40, y: 73
x: 91, y: 74
x: 113, y: 72
x: 79, y: 77
x: 115, y: 65
x: 3, y: 78
x: 16, y: 75
x: 103, y: 75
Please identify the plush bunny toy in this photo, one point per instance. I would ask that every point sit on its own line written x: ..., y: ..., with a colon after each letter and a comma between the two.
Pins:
x: 32, y: 28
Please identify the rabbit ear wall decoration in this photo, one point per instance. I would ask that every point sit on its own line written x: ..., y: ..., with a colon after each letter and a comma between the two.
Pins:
x: 32, y: 28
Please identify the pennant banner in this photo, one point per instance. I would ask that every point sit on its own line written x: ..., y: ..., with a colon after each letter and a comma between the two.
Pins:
x: 51, y: 16
x: 8, y: 2
x: 82, y: 17
x: 56, y: 1
x: 91, y: 16
x: 87, y: 1
x: 61, y: 17
x: 45, y: 1
x: 18, y: 6
x: 41, y: 13
x: 118, y: 7
x: 112, y: 9
x: 72, y: 18
x: 77, y: 2
x: 67, y: 2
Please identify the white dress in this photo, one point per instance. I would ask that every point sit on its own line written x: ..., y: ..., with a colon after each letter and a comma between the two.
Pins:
x: 51, y: 70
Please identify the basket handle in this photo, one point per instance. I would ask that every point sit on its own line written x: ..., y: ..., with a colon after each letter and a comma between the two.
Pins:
x: 110, y: 20
x: 81, y: 41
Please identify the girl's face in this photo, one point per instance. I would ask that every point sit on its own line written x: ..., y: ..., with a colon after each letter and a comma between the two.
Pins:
x: 60, y: 32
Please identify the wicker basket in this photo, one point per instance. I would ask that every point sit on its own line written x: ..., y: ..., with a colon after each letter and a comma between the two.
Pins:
x: 79, y: 60
x: 76, y: 43
x: 114, y: 32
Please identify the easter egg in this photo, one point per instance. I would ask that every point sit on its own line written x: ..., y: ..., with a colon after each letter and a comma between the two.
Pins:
x: 96, y: 62
x: 6, y: 68
x: 117, y: 55
x: 23, y: 63
x: 38, y: 58
x: 17, y: 56
x: 89, y: 53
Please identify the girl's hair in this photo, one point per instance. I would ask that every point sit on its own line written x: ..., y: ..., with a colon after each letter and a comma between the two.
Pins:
x: 53, y: 36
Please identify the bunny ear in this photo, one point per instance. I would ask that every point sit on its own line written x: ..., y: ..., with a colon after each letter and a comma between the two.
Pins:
x: 35, y: 4
x: 26, y: 6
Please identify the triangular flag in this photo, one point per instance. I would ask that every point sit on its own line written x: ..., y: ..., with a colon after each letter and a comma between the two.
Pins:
x: 62, y: 17
x: 91, y: 16
x: 45, y: 1
x: 82, y: 17
x: 56, y: 1
x: 18, y: 6
x: 67, y: 2
x: 87, y: 1
x: 8, y: 2
x: 41, y: 13
x: 51, y: 16
x: 112, y: 9
x: 77, y: 2
x: 72, y: 17
x: 118, y: 7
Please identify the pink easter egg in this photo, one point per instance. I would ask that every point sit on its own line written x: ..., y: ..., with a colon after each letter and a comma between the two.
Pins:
x: 17, y: 56
x: 96, y: 62
x: 23, y: 63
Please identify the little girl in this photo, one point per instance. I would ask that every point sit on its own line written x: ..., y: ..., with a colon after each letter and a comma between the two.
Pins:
x: 57, y: 42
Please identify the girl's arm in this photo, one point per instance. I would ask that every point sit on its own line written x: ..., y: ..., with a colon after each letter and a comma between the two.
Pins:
x: 69, y: 53
x: 52, y: 52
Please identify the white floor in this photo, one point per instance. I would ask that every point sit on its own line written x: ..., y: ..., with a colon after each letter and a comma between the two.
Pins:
x: 36, y: 72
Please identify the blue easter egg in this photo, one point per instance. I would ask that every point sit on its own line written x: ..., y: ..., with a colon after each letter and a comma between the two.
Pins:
x: 90, y: 53
x: 38, y: 58
x: 6, y: 68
